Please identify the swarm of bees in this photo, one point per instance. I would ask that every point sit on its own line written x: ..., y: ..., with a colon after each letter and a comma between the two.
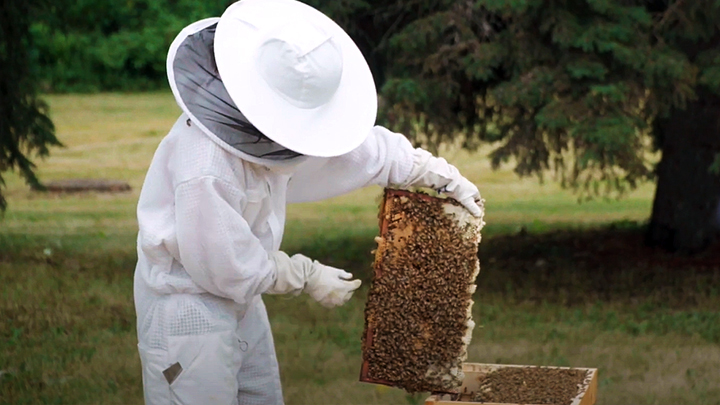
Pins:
x: 418, y: 319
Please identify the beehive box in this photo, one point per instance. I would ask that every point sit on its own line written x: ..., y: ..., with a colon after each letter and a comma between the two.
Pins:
x: 495, y: 384
x: 418, y: 319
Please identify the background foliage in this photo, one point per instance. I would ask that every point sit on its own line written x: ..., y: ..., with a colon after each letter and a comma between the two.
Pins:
x: 573, y: 87
x: 587, y: 90
x: 89, y: 45
x: 25, y: 128
x: 584, y: 78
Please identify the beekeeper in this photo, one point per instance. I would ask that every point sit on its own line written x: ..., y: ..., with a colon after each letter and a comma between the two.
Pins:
x: 278, y: 106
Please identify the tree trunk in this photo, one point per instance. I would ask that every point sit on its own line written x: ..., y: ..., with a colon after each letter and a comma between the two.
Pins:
x: 686, y: 210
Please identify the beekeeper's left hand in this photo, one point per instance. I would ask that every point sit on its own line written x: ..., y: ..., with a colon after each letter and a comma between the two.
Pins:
x: 436, y: 173
x: 327, y: 285
x: 466, y: 193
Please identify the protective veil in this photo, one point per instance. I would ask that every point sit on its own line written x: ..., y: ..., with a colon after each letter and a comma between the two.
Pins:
x: 211, y: 216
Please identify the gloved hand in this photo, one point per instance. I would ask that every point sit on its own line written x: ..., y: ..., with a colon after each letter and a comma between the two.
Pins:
x: 327, y: 285
x: 436, y: 173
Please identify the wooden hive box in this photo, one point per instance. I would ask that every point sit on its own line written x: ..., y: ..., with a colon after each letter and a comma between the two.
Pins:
x: 582, y: 390
x: 418, y: 319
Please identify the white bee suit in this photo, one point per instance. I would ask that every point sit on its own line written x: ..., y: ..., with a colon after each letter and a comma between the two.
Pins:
x: 211, y: 216
x: 209, y: 222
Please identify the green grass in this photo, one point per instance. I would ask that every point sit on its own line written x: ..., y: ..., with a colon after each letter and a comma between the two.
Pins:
x: 562, y: 293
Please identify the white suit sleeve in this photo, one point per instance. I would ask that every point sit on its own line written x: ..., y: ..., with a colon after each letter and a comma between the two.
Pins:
x: 217, y: 248
x: 385, y: 158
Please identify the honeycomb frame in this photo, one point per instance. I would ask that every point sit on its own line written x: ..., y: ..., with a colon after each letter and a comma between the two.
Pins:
x: 425, y: 267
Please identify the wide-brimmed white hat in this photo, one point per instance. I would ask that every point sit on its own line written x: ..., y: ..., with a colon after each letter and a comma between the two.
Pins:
x: 292, y: 72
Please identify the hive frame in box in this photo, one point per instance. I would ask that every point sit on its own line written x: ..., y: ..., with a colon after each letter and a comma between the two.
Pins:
x: 587, y: 395
x: 384, y: 222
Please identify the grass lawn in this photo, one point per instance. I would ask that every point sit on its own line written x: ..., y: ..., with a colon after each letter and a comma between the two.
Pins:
x: 558, y: 285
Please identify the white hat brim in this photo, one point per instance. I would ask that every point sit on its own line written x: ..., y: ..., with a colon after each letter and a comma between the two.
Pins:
x: 332, y: 129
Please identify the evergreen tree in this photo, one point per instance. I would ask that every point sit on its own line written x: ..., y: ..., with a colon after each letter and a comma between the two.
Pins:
x: 91, y: 45
x: 574, y: 87
x: 25, y: 128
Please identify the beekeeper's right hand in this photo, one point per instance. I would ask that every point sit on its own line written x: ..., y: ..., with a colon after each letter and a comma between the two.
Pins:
x: 327, y: 285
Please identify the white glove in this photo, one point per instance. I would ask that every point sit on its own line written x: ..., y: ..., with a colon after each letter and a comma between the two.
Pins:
x: 327, y: 285
x: 436, y: 173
